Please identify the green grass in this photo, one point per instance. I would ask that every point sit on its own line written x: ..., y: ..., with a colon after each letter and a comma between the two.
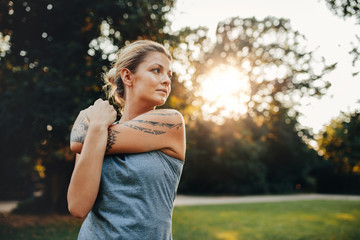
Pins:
x: 284, y: 220
x: 315, y: 220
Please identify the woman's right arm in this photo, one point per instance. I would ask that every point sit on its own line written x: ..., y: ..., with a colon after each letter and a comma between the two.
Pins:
x: 78, y: 132
x: 85, y: 179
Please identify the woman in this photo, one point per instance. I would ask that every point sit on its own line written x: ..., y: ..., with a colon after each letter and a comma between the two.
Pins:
x: 129, y: 192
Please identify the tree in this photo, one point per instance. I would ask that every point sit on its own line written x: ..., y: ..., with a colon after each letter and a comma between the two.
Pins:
x: 345, y: 8
x: 348, y: 9
x: 185, y: 46
x: 339, y: 143
x: 223, y: 160
x: 267, y: 141
x: 52, y: 56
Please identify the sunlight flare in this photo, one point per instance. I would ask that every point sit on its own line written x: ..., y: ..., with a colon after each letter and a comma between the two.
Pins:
x: 226, y: 92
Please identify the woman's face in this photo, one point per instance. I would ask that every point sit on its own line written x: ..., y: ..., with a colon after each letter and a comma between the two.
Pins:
x: 152, y: 79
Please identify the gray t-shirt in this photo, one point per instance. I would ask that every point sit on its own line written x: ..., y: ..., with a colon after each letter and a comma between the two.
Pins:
x: 135, y: 199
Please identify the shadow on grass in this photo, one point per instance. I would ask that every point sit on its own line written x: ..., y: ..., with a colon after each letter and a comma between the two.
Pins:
x: 51, y: 226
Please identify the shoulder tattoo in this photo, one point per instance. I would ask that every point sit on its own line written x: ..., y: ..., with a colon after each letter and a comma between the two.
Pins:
x: 159, y: 124
x: 142, y: 129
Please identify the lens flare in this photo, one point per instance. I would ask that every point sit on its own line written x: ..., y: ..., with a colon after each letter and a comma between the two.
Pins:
x: 226, y: 92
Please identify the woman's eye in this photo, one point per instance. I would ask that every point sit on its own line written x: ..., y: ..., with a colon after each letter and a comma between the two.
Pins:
x: 156, y: 70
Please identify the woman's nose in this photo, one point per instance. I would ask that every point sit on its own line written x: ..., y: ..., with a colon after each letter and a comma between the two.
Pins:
x: 166, y: 80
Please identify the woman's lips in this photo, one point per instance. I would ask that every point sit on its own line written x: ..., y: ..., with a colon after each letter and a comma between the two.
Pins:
x: 162, y: 90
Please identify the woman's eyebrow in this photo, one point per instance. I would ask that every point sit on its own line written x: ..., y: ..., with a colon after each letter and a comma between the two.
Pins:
x: 161, y: 66
x: 158, y: 64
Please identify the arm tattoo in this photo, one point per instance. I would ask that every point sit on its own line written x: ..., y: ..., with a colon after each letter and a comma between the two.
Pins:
x: 79, y: 130
x: 168, y: 125
x: 111, y: 139
x: 147, y: 130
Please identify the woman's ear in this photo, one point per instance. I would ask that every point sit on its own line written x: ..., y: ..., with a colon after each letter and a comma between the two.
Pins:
x: 126, y: 76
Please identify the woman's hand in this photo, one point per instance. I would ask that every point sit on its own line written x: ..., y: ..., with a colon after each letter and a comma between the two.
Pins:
x: 101, y: 113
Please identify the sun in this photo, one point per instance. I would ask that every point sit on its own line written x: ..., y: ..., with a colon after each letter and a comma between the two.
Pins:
x: 226, y: 92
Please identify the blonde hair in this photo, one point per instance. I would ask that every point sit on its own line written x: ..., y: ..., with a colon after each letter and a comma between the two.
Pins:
x: 128, y: 57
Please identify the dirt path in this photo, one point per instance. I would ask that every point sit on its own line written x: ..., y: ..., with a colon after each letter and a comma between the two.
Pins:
x: 182, y: 200
x: 7, y: 206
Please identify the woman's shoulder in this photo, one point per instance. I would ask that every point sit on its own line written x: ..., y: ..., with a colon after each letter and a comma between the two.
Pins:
x: 164, y: 112
x: 169, y: 121
x: 163, y: 115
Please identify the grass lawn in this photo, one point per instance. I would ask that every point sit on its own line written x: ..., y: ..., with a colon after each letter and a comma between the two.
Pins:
x: 317, y: 219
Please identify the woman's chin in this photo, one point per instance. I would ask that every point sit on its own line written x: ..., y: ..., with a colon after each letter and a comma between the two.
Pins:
x: 162, y: 101
x: 158, y: 102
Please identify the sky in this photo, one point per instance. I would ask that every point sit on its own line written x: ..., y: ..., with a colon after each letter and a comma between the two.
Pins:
x: 330, y: 35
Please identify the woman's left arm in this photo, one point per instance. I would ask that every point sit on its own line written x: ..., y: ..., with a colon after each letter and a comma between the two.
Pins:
x: 162, y: 129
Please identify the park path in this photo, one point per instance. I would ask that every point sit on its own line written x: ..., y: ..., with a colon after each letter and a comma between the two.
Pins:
x: 185, y: 200
x: 182, y: 200
x: 7, y: 206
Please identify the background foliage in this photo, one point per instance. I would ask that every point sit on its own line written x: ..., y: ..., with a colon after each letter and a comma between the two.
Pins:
x: 348, y: 9
x: 52, y: 55
x: 51, y: 71
x: 340, y: 146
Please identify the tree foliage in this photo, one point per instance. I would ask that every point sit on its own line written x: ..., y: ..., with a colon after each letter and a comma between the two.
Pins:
x: 264, y: 151
x: 274, y: 58
x: 345, y: 8
x: 52, y: 56
x: 348, y: 9
x: 339, y: 143
x: 245, y: 157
